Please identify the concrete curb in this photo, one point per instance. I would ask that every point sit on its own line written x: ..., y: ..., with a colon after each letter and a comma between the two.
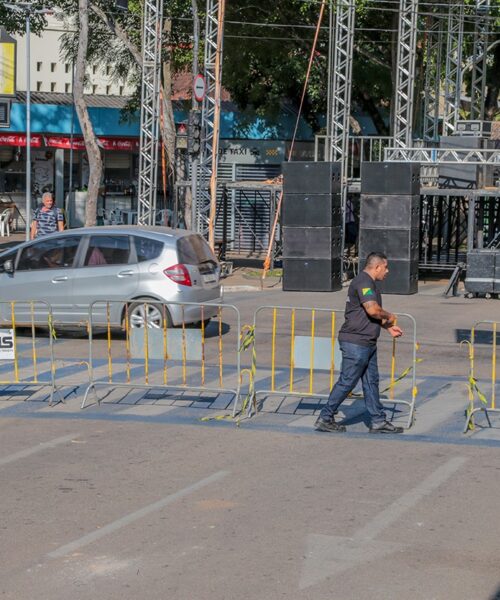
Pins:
x: 240, y: 288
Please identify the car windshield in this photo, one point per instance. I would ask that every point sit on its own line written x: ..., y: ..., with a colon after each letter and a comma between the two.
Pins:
x: 193, y: 250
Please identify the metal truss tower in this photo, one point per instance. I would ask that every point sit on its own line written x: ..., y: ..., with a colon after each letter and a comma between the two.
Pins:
x: 478, y: 84
x: 150, y: 111
x: 453, y: 73
x: 405, y: 73
x: 342, y: 79
x: 432, y: 78
x: 213, y: 75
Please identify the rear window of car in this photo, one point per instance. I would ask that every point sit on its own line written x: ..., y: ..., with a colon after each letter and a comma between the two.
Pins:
x: 147, y: 249
x: 193, y: 250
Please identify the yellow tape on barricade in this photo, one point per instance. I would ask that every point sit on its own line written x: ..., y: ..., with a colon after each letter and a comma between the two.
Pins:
x: 247, y: 339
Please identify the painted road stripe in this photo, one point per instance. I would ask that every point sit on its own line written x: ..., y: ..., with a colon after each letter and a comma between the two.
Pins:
x: 329, y: 555
x: 138, y: 514
x: 29, y: 451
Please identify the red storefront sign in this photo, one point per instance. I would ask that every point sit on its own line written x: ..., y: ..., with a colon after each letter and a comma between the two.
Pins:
x: 19, y: 139
x: 106, y: 143
x: 64, y: 142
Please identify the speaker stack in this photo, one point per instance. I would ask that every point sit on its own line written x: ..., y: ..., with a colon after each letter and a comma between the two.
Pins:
x: 312, y: 227
x: 390, y: 221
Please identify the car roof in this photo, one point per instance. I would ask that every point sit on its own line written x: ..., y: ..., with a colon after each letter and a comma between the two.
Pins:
x: 164, y: 234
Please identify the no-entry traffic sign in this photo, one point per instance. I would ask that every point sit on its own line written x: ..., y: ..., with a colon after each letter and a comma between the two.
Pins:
x: 199, y: 87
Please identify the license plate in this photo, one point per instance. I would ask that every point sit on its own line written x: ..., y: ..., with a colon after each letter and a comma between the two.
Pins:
x: 211, y: 278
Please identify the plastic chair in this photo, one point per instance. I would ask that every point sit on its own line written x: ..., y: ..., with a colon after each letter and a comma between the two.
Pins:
x: 5, y: 218
x: 112, y: 217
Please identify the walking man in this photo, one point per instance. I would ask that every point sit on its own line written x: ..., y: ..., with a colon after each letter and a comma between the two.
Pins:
x: 364, y: 317
x: 48, y: 219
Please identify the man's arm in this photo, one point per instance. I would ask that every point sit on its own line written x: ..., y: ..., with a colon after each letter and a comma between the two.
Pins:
x: 375, y: 311
x: 388, y: 320
x: 33, y: 230
x: 60, y: 220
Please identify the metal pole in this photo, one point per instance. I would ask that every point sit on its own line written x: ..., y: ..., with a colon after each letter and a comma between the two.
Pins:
x: 71, y: 142
x: 28, y: 129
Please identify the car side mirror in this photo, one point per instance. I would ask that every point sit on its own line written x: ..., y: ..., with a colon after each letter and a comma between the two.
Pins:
x: 8, y: 267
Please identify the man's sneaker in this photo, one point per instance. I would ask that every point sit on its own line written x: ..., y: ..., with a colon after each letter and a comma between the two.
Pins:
x: 385, y: 427
x: 331, y: 426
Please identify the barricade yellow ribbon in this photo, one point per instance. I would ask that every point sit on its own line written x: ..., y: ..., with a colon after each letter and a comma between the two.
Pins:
x: 247, y: 340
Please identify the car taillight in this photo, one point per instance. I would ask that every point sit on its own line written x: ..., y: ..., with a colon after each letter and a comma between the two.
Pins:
x: 178, y: 274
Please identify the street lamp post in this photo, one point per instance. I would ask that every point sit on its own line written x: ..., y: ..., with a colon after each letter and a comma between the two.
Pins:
x: 28, y: 10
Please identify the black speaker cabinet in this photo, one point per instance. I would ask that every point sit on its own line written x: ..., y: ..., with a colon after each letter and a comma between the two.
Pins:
x: 390, y: 178
x: 312, y: 275
x: 396, y: 244
x: 390, y: 211
x: 312, y: 242
x: 311, y: 210
x: 402, y: 278
x: 311, y: 177
x: 481, y: 271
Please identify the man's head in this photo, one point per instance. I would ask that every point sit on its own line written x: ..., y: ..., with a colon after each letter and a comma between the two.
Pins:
x: 376, y: 265
x: 48, y: 200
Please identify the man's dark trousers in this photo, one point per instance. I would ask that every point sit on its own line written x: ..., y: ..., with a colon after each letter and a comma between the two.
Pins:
x: 358, y: 362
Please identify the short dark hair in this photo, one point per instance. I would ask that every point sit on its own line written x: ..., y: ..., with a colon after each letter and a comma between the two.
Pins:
x: 374, y: 258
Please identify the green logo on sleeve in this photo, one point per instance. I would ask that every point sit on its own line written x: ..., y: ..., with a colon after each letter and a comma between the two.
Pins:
x: 367, y: 291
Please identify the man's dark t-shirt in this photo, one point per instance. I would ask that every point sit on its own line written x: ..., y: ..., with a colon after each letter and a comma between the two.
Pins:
x: 359, y: 328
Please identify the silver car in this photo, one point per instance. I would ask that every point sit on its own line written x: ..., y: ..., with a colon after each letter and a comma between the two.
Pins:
x: 73, y: 269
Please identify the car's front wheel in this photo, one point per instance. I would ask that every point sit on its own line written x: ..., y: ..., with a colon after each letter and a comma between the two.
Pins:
x: 144, y: 313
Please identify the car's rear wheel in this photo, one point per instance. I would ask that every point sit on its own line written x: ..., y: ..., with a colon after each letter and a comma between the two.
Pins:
x: 144, y: 312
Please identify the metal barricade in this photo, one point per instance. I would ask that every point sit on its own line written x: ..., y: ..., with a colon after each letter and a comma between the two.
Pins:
x: 299, y: 347
x: 483, y: 380
x: 26, y: 355
x: 148, y: 353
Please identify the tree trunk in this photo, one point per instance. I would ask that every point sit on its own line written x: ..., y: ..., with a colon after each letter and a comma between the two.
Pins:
x: 493, y: 74
x: 93, y: 150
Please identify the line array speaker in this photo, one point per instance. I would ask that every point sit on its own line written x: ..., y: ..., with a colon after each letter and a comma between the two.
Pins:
x: 390, y: 211
x: 311, y: 177
x: 388, y: 178
x: 312, y: 242
x: 311, y: 210
x: 312, y: 275
x: 396, y: 244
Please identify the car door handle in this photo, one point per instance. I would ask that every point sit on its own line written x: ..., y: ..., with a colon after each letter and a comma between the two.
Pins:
x: 126, y: 273
x: 59, y: 279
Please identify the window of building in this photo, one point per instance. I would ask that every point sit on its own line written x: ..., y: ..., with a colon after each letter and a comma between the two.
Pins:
x: 53, y: 67
x: 108, y: 89
x: 39, y: 66
x: 52, y: 86
x: 94, y: 69
x: 108, y: 70
x: 67, y: 68
x: 67, y: 88
x: 38, y: 86
x: 94, y: 89
x: 121, y: 90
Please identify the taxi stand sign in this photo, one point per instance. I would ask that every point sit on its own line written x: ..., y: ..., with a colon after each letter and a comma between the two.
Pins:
x: 7, y: 349
x: 7, y: 64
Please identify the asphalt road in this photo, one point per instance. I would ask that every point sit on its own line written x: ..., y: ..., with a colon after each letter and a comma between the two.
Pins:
x: 112, y: 510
